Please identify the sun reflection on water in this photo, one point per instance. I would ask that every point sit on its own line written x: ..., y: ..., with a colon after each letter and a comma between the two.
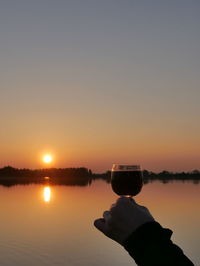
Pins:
x: 47, y: 194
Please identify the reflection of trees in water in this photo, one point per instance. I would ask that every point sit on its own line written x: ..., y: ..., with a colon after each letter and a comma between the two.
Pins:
x: 52, y: 181
x: 172, y: 180
x: 10, y: 176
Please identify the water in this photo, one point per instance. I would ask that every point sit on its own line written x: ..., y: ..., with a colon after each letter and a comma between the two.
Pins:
x: 54, y: 226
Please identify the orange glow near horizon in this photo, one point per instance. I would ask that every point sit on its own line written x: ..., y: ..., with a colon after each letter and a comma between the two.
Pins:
x: 101, y: 159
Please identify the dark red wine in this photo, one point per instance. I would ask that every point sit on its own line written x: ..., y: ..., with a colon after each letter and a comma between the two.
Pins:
x: 126, y: 182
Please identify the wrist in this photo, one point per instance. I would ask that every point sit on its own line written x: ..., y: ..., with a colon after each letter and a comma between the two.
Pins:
x: 144, y: 238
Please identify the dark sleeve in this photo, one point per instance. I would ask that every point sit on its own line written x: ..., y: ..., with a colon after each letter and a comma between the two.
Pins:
x: 150, y: 245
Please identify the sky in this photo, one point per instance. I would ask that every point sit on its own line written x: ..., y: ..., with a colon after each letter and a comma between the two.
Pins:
x: 100, y: 82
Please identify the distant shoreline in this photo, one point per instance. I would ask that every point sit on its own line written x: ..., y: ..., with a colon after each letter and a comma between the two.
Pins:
x: 81, y: 176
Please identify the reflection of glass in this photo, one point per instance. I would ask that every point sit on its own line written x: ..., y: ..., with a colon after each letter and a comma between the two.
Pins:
x: 126, y: 179
x: 47, y: 194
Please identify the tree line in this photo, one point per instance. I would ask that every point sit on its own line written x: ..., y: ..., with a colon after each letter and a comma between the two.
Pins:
x: 163, y: 176
x: 62, y: 176
x: 81, y: 176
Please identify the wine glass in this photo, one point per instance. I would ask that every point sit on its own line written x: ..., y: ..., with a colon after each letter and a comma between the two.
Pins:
x: 126, y: 180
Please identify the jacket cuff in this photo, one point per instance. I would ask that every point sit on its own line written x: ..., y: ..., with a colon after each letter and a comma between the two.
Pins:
x: 144, y: 237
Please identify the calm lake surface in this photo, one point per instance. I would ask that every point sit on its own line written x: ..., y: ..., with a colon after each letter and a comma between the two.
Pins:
x: 54, y: 226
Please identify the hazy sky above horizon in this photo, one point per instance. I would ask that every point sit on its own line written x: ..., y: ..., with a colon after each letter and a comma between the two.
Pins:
x: 99, y: 82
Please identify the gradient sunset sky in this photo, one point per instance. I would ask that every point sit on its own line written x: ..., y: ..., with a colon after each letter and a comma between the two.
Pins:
x: 96, y: 82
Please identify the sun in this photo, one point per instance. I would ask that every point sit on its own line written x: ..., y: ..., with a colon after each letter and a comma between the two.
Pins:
x: 47, y: 158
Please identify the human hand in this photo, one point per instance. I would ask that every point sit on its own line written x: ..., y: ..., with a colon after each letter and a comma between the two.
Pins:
x: 123, y: 218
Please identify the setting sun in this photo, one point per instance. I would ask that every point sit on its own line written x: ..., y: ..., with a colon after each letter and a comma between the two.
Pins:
x: 47, y: 158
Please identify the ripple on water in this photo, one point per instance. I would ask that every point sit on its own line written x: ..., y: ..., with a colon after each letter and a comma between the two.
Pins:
x: 23, y: 253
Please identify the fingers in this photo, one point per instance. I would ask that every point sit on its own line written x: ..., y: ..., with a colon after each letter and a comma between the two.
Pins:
x: 106, y: 215
x: 113, y: 205
x: 123, y: 205
x: 100, y: 225
x: 125, y: 200
x: 132, y: 200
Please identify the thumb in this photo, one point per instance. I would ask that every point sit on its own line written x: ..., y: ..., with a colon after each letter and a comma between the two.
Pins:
x: 100, y: 225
